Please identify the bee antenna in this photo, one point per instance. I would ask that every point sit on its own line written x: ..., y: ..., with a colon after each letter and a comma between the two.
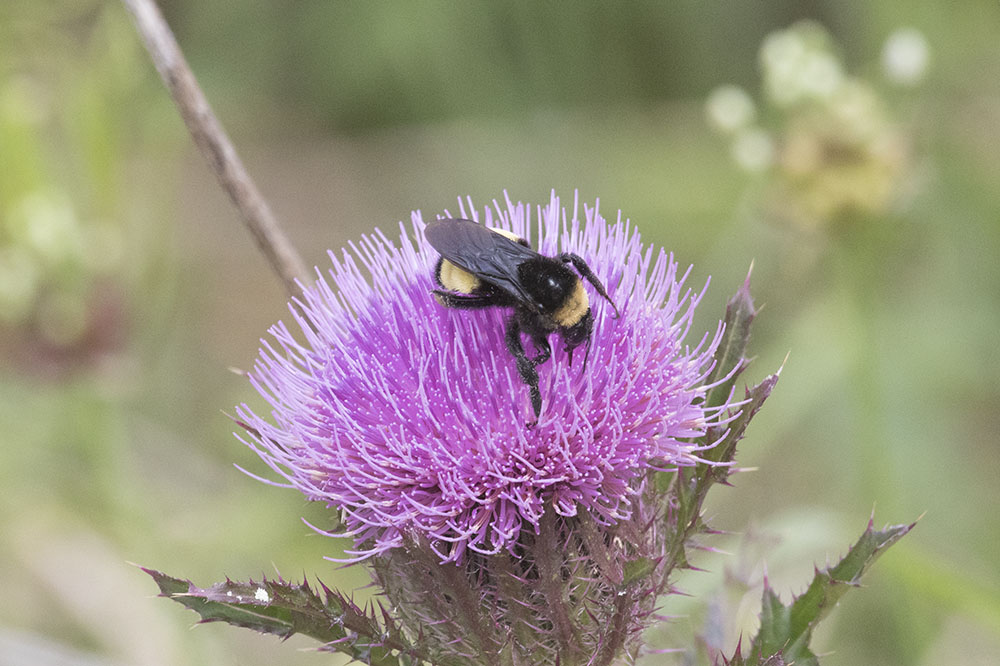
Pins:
x: 617, y: 313
x: 583, y: 269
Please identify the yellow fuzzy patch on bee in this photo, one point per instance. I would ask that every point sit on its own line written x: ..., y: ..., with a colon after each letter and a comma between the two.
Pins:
x: 454, y: 278
x: 575, y: 307
x: 506, y: 234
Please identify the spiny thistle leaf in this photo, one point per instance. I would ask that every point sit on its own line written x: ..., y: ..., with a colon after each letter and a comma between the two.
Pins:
x: 729, y: 357
x: 785, y: 631
x: 690, y: 485
x: 739, y: 660
x: 725, y: 450
x: 282, y: 608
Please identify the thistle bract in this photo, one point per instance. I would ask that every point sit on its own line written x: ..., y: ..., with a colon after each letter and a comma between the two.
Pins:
x: 412, y: 419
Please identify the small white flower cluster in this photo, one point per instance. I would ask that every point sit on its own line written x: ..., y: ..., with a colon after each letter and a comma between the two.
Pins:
x: 825, y: 134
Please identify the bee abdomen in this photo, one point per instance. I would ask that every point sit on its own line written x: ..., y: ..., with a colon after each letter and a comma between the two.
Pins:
x: 453, y: 278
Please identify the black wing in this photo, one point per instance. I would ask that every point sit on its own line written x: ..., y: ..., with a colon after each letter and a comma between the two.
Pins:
x: 482, y: 252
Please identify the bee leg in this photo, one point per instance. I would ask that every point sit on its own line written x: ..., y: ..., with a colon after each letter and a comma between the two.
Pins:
x: 586, y: 353
x: 583, y: 269
x: 525, y: 366
x: 544, y: 351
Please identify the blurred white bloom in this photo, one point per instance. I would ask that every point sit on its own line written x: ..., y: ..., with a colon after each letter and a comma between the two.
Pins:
x: 799, y: 63
x: 753, y: 149
x: 905, y: 56
x: 730, y: 108
x: 781, y: 50
x: 820, y: 75
x: 47, y: 223
x: 781, y: 57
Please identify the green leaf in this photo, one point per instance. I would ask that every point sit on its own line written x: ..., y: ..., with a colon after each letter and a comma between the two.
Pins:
x: 638, y: 569
x: 739, y: 660
x: 282, y: 608
x: 730, y: 357
x: 688, y: 486
x: 730, y: 362
x: 725, y: 450
x: 785, y: 631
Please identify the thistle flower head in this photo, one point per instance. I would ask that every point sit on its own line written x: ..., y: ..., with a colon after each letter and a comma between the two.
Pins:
x: 412, y: 419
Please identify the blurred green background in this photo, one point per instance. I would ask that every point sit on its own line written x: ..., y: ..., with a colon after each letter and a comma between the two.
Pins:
x: 129, y: 288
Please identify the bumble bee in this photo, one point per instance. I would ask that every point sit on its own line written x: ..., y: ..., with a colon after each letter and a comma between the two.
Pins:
x: 482, y: 268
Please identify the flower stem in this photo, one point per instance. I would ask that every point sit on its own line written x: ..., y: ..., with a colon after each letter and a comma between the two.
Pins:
x: 214, y: 144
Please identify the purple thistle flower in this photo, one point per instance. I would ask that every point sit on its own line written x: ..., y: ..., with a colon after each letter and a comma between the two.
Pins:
x: 412, y: 419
